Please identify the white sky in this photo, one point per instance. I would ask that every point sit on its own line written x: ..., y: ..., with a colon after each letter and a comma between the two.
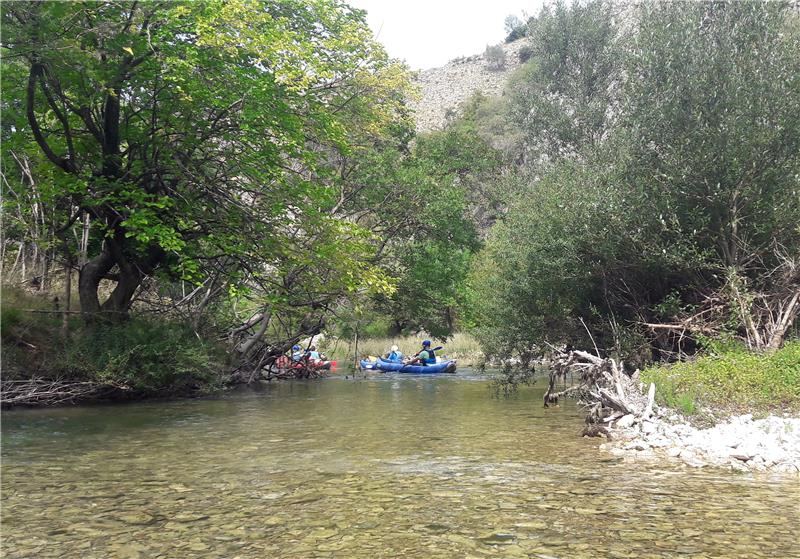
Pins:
x: 428, y: 33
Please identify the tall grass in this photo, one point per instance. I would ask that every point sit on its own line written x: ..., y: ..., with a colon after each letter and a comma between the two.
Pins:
x: 460, y: 346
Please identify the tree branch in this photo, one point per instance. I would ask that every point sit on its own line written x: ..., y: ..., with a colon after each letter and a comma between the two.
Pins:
x: 35, y: 74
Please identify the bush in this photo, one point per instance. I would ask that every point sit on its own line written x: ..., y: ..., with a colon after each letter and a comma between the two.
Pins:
x: 150, y: 357
x: 732, y: 378
x: 525, y: 54
x: 516, y: 33
x: 495, y: 57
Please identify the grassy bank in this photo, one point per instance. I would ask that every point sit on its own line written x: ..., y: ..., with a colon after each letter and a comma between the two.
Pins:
x: 135, y: 359
x: 460, y: 346
x: 731, y: 379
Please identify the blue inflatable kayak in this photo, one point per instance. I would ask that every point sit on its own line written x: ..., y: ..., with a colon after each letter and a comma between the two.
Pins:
x: 395, y: 367
x: 367, y: 364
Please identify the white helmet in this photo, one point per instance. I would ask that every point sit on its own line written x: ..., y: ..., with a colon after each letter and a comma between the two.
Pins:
x: 394, y: 348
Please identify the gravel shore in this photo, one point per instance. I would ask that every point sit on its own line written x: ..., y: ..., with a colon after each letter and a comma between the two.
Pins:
x: 740, y: 442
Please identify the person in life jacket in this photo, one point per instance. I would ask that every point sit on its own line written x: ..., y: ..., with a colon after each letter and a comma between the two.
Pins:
x: 314, y: 354
x: 425, y: 356
x: 395, y: 354
x: 297, y: 353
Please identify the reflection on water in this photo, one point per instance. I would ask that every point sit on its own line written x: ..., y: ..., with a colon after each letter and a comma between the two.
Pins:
x: 384, y: 467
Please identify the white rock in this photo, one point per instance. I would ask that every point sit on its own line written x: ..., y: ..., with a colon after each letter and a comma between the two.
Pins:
x: 648, y: 427
x: 625, y: 421
x: 741, y: 443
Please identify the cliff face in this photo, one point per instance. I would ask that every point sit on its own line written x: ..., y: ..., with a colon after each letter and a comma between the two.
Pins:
x: 445, y: 88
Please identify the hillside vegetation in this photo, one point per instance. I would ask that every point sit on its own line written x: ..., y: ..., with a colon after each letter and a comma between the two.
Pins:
x: 642, y: 197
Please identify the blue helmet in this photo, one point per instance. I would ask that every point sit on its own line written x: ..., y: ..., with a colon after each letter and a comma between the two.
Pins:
x: 426, y: 343
x: 295, y: 348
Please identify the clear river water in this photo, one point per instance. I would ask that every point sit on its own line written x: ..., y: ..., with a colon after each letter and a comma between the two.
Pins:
x: 387, y: 466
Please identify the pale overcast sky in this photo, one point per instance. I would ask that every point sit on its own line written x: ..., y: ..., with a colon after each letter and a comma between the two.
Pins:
x: 428, y: 33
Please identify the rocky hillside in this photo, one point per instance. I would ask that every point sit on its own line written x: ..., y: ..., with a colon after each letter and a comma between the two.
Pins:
x: 444, y: 88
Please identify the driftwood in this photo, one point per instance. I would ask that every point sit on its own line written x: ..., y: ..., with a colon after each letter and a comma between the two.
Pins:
x: 765, y: 312
x: 603, y: 388
x: 41, y: 391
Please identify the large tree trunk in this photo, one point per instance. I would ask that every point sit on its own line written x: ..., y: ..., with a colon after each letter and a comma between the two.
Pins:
x: 246, y: 347
x: 88, y: 282
x: 116, y: 307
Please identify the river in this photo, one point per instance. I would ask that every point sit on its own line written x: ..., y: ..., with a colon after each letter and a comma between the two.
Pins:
x: 387, y: 466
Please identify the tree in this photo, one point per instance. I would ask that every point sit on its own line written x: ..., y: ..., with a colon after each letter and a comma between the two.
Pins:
x: 713, y: 113
x: 179, y: 173
x: 712, y: 118
x: 564, y: 97
x: 515, y: 28
x: 511, y: 23
x: 678, y: 213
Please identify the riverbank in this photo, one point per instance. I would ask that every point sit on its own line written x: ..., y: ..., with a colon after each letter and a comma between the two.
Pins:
x: 46, y: 361
x: 730, y: 409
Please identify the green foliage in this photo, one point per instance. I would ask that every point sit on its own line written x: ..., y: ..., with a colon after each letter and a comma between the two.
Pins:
x: 184, y: 178
x: 422, y: 201
x: 562, y: 99
x: 495, y: 57
x: 150, y: 358
x: 145, y: 356
x: 530, y: 280
x: 733, y: 378
x: 712, y: 125
x: 642, y: 186
x: 10, y: 318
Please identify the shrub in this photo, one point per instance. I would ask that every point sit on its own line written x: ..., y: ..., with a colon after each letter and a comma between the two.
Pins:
x: 148, y: 357
x: 525, y: 54
x: 495, y: 57
x: 731, y: 378
x: 151, y: 357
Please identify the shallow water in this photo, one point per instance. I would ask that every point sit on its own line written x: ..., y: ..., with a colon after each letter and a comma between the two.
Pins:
x: 388, y: 466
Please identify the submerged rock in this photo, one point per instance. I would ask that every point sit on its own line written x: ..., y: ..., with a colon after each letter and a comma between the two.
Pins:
x: 498, y: 538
